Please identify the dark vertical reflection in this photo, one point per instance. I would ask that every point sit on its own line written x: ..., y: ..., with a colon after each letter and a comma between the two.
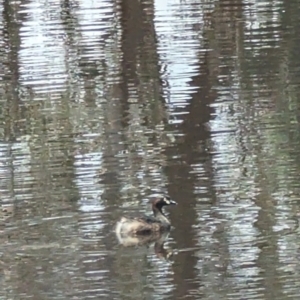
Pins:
x: 113, y: 127
x: 70, y: 23
x: 11, y: 109
x: 223, y: 35
x: 290, y: 65
x: 11, y: 29
x: 132, y: 35
x: 268, y: 260
x: 196, y: 136
x: 285, y: 100
x: 140, y: 61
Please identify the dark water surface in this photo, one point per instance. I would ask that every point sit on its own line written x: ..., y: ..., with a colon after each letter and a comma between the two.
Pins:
x: 104, y: 103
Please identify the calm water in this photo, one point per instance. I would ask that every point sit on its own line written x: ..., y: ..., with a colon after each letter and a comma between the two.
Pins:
x: 104, y: 103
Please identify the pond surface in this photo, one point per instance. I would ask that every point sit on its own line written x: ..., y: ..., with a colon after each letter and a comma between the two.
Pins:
x: 104, y: 103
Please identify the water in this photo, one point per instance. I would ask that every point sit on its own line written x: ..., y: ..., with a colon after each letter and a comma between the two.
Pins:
x: 104, y: 103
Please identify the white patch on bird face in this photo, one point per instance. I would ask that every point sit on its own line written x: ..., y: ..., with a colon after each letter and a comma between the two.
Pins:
x: 167, y: 200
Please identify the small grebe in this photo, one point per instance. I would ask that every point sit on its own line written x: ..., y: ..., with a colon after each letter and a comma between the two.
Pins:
x: 147, y: 224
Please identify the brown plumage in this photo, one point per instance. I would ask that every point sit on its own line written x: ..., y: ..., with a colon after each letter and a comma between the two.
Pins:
x: 146, y: 224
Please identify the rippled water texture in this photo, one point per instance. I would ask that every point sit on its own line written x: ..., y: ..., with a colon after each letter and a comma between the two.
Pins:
x: 104, y: 103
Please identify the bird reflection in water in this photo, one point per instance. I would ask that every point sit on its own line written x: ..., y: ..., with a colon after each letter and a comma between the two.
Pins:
x: 155, y: 240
